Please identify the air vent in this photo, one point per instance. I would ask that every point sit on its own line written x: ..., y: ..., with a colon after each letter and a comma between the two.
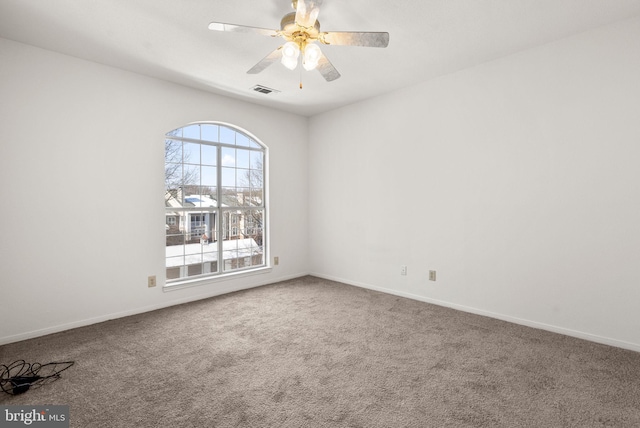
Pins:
x: 264, y: 89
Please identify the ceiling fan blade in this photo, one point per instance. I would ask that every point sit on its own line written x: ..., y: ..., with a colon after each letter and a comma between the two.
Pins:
x: 221, y: 26
x: 327, y: 69
x: 348, y: 38
x: 307, y: 12
x: 266, y: 61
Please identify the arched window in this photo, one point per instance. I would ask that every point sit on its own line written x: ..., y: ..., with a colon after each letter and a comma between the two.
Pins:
x: 214, y: 201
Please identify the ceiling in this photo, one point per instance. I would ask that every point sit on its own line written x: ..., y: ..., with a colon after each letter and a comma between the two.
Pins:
x: 169, y: 39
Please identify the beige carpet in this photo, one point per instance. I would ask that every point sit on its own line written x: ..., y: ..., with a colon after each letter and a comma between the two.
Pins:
x: 315, y: 353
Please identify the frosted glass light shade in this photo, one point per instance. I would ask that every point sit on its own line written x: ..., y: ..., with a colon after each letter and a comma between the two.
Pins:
x: 289, y: 63
x: 312, y: 55
x: 290, y: 54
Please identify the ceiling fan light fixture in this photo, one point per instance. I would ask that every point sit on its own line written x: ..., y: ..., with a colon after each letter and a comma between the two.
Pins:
x: 312, y: 55
x: 301, y: 30
x: 291, y: 64
x: 290, y: 54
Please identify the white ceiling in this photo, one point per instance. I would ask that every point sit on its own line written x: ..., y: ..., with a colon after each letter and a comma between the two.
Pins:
x: 169, y: 39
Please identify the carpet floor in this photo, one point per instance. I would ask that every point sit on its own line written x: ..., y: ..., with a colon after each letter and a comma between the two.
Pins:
x: 315, y: 353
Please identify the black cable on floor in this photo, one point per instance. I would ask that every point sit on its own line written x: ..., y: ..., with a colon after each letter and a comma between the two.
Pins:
x: 19, y: 376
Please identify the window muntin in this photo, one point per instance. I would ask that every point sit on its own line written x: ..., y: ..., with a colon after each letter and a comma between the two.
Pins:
x: 214, y: 201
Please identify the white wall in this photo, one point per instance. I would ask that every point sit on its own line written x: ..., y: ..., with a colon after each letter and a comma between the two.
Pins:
x: 518, y: 181
x: 81, y: 169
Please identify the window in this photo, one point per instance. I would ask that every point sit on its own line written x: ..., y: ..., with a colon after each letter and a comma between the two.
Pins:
x: 214, y: 201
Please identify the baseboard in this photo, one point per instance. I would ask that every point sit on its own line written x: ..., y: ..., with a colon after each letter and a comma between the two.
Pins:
x: 233, y: 288
x: 528, y: 323
x: 223, y: 289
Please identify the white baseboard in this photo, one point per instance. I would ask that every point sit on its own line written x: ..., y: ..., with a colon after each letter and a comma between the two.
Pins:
x: 528, y: 323
x: 219, y: 290
x: 235, y: 287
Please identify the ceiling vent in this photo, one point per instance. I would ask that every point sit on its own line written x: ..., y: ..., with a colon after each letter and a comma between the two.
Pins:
x: 264, y: 89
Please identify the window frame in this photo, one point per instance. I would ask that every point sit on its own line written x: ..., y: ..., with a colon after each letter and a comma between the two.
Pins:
x: 220, y: 211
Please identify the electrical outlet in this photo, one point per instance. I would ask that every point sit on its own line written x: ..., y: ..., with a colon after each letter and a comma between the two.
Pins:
x: 276, y: 261
x: 403, y: 270
x: 151, y: 281
x: 432, y: 275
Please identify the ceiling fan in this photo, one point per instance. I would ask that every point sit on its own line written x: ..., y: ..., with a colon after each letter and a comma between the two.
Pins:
x: 300, y: 30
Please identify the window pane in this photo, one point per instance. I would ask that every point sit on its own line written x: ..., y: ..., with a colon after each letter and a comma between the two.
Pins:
x: 229, y: 177
x: 256, y: 160
x: 172, y: 176
x: 200, y: 197
x: 255, y: 179
x: 227, y: 135
x: 229, y: 196
x: 192, y: 199
x: 252, y: 228
x: 256, y: 197
x: 172, y: 151
x: 196, y: 229
x: 190, y: 175
x: 175, y: 133
x: 257, y: 259
x: 191, y: 153
x: 209, y: 176
x: 210, y: 196
x: 173, y: 272
x: 195, y: 269
x: 209, y: 132
x: 175, y: 239
x: 214, y: 233
x: 241, y: 178
x: 209, y: 155
x: 242, y: 158
x: 210, y: 258
x: 242, y: 140
x: 241, y: 196
x: 240, y: 253
x: 192, y: 252
x: 174, y: 267
x: 189, y: 192
x: 191, y: 131
x: 214, y: 266
x: 228, y: 156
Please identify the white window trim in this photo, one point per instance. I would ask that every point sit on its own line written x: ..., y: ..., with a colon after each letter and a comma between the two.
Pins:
x: 267, y: 267
x: 200, y: 281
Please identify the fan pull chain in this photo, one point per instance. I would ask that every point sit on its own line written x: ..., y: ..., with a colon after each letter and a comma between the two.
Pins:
x: 300, y: 73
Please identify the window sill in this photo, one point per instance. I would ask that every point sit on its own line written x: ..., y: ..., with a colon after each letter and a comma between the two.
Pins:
x: 187, y: 283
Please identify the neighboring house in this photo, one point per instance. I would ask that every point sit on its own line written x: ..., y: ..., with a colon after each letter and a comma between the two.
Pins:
x: 191, y: 241
x: 191, y: 224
